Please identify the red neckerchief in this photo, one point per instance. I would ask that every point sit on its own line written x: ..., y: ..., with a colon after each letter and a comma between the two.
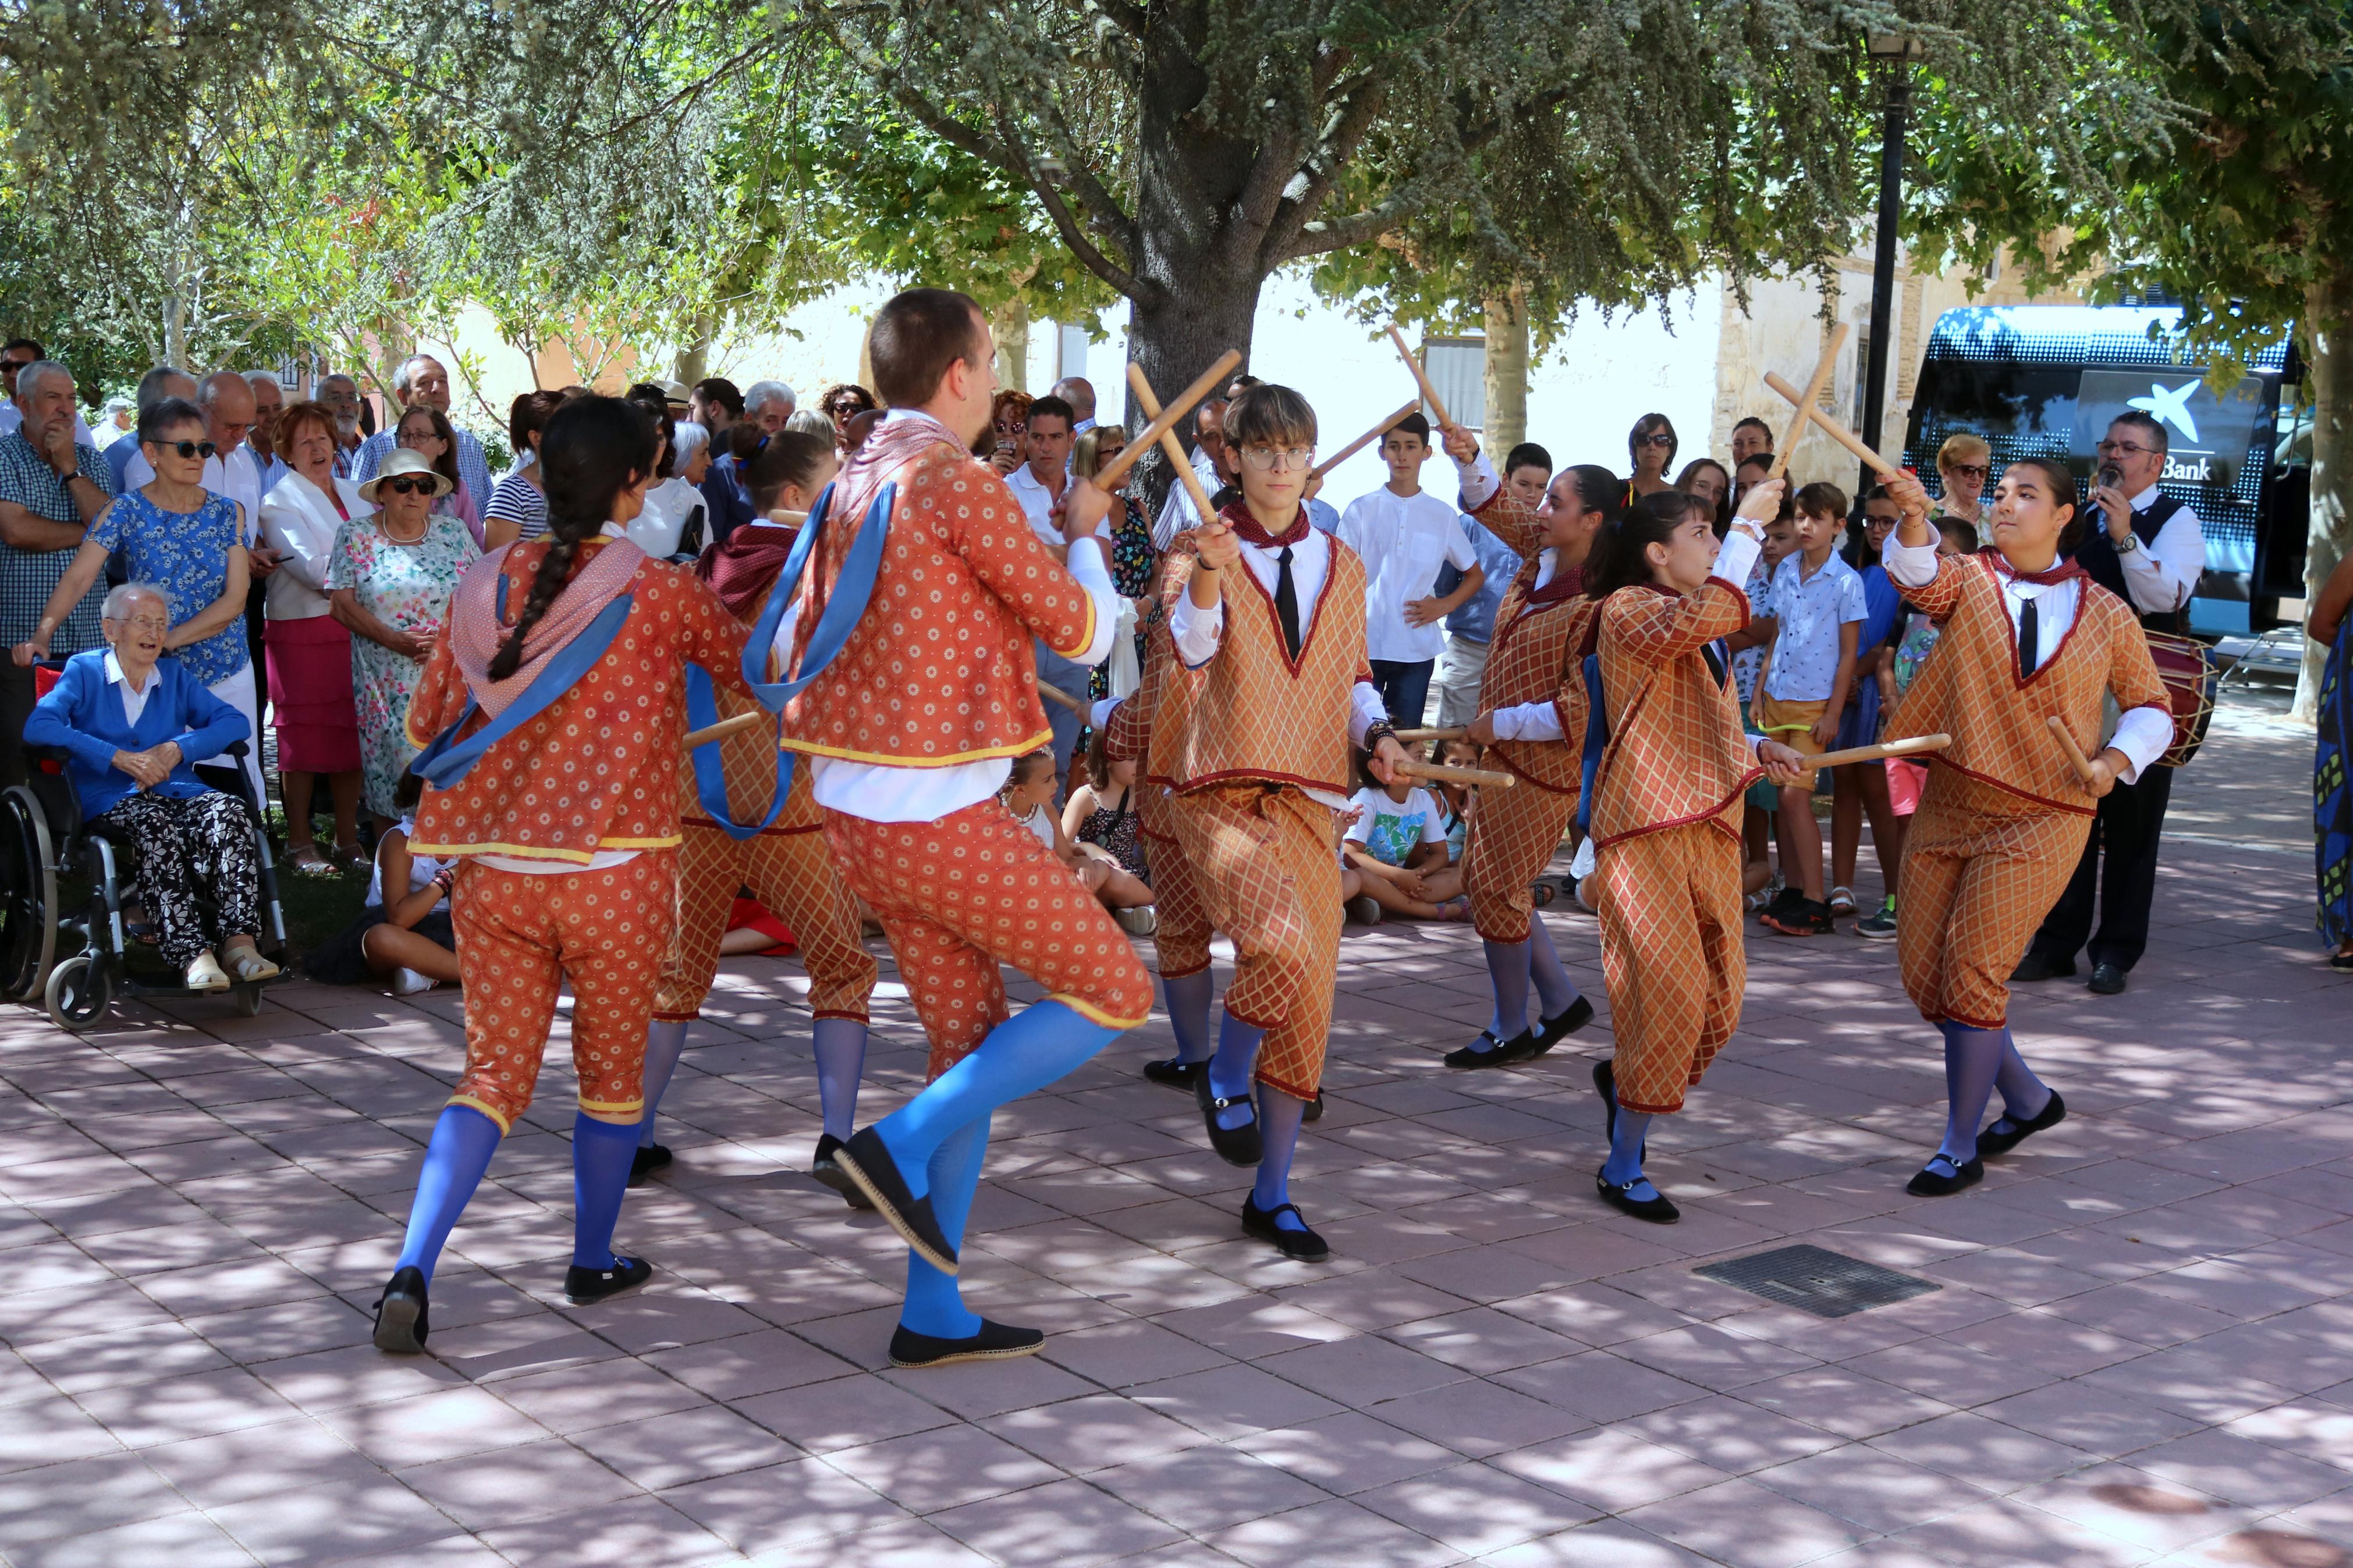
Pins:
x: 1566, y: 584
x: 743, y: 567
x: 1251, y: 532
x: 2058, y: 571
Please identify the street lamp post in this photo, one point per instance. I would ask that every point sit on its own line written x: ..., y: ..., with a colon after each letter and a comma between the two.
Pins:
x: 1894, y: 52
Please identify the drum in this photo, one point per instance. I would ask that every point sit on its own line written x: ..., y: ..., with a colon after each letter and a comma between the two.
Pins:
x: 2189, y: 677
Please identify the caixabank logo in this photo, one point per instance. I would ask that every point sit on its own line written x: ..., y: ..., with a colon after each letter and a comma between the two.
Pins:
x: 2208, y: 437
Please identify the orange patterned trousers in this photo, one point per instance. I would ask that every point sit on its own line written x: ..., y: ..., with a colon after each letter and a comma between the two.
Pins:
x: 790, y: 873
x: 1514, y: 833
x: 1672, y: 956
x: 1181, y: 930
x: 960, y: 895
x: 1981, y: 868
x: 521, y: 937
x: 1266, y: 862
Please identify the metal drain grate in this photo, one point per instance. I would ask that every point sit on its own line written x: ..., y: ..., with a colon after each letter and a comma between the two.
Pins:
x: 1817, y: 1281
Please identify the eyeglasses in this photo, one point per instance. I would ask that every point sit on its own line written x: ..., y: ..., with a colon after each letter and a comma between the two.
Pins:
x: 1968, y: 470
x: 155, y: 623
x: 408, y: 485
x: 1655, y: 439
x: 2121, y: 448
x: 1273, y: 459
x: 188, y: 448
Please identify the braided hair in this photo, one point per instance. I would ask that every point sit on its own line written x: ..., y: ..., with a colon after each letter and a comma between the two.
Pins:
x: 592, y: 449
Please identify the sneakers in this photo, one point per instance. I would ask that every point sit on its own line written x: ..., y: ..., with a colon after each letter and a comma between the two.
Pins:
x: 408, y: 983
x: 1362, y: 910
x: 1798, y: 915
x: 1878, y: 927
x: 1139, y: 921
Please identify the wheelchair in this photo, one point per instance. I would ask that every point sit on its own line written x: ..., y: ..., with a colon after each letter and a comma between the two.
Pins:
x: 43, y: 839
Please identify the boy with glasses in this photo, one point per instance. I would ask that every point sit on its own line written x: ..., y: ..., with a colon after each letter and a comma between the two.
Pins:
x: 1404, y: 534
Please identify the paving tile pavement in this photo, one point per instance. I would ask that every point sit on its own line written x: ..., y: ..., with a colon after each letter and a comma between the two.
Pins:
x: 2140, y: 1351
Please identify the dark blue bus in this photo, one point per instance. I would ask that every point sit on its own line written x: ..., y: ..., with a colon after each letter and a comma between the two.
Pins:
x: 2044, y: 380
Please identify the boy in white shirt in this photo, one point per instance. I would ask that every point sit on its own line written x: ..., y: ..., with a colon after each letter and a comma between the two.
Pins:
x: 1404, y: 535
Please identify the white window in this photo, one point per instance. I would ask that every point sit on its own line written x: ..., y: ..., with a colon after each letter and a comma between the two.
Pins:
x: 1457, y: 368
x: 1070, y: 350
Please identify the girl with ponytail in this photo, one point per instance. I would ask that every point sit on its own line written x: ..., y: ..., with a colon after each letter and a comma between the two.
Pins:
x: 1665, y: 814
x: 550, y: 712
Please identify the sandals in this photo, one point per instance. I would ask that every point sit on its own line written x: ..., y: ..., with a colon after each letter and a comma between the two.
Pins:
x: 307, y: 862
x: 1841, y: 902
x: 1541, y: 895
x: 245, y: 961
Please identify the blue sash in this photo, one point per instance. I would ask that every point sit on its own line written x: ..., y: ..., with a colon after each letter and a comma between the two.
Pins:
x: 444, y: 763
x: 841, y: 615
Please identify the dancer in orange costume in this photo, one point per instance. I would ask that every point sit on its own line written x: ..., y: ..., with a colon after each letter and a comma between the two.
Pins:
x: 785, y: 863
x: 2026, y: 637
x: 1270, y: 628
x: 1666, y: 813
x: 550, y: 713
x: 907, y: 641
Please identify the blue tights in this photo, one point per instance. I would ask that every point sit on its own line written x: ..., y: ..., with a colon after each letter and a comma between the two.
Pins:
x: 1043, y: 1042
x: 1232, y: 1069
x: 934, y: 1305
x: 463, y: 1142
x: 1978, y: 1062
x: 1188, y: 998
x: 602, y: 1153
x: 1279, y: 1117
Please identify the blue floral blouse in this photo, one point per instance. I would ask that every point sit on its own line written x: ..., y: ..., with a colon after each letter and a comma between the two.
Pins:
x: 187, y: 553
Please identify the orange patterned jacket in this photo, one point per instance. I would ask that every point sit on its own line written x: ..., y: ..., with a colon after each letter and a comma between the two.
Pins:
x: 1676, y: 752
x: 1538, y: 651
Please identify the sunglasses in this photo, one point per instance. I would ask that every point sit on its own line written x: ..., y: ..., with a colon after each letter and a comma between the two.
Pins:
x: 1968, y: 470
x: 1656, y: 439
x: 188, y: 448
x: 406, y: 485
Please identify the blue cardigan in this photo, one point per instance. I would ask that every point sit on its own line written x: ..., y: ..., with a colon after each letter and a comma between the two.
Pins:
x: 83, y: 713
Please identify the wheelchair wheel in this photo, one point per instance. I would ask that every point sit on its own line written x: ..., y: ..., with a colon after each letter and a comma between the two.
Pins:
x: 77, y: 993
x: 246, y: 1000
x: 28, y: 896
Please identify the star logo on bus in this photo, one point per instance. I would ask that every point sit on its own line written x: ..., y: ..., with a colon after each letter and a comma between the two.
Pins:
x: 2169, y: 407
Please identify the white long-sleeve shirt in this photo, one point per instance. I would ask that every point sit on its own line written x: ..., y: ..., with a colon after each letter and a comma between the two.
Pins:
x: 2164, y: 575
x: 2142, y: 734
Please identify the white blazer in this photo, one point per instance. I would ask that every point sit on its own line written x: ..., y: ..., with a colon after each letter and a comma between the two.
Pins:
x: 298, y: 521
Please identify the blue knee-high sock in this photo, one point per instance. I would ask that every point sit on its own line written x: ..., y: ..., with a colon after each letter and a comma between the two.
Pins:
x: 463, y: 1142
x: 1972, y: 1062
x: 1625, y: 1161
x: 2024, y: 1096
x: 1044, y: 1041
x: 1279, y: 1115
x: 1188, y: 998
x: 840, y: 1045
x: 665, y: 1039
x: 934, y: 1305
x: 1556, y: 991
x: 1230, y: 1069
x: 601, y: 1155
x: 1507, y: 975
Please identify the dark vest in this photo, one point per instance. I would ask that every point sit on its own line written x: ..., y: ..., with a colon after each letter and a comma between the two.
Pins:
x: 2097, y: 557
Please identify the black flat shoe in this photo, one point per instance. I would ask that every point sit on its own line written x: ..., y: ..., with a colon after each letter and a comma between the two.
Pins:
x: 1304, y: 1245
x: 1550, y: 1032
x: 1494, y: 1053
x: 400, y: 1325
x: 1657, y: 1210
x: 828, y: 1170
x: 586, y: 1287
x: 1994, y: 1140
x: 1928, y: 1185
x: 1235, y: 1145
x: 994, y: 1342
x: 2040, y: 966
x: 648, y: 1158
x: 2106, y: 980
x: 1315, y: 1111
x: 868, y: 1160
x: 1175, y: 1073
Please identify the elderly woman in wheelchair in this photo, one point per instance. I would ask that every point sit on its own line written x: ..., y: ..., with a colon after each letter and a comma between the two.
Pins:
x: 134, y: 725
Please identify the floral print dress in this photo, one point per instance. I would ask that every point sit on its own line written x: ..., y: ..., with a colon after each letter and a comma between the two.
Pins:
x: 1132, y: 562
x: 407, y: 587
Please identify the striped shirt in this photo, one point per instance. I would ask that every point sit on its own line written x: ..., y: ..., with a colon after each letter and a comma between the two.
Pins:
x: 517, y: 501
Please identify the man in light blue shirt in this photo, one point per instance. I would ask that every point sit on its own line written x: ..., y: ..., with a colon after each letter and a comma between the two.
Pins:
x: 421, y: 378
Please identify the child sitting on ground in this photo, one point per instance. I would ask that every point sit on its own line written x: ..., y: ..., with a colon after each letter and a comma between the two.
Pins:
x: 407, y: 937
x: 1099, y: 820
x: 1397, y: 846
x: 1028, y: 794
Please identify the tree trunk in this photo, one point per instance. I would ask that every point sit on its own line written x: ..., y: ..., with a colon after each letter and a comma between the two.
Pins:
x: 693, y: 361
x: 1507, y: 373
x: 1175, y: 343
x: 2328, y: 316
x: 1010, y: 322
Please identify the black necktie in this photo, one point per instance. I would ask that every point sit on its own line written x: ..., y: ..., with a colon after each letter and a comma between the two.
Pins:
x: 1714, y: 654
x: 2029, y: 638
x: 1286, y: 602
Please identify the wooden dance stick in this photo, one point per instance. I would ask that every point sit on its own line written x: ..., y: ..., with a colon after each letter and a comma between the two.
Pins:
x: 789, y: 518
x: 1453, y: 775
x: 2074, y: 752
x: 1456, y: 734
x: 1913, y: 747
x: 1170, y: 444
x: 1838, y: 433
x: 1112, y: 473
x: 1055, y: 694
x: 726, y: 727
x: 1795, y: 431
x: 1429, y: 392
x: 1361, y: 442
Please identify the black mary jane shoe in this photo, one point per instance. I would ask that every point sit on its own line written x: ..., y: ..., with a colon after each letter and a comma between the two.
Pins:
x: 400, y: 1313
x: 1235, y: 1145
x: 1176, y: 1073
x: 1550, y: 1032
x: 1927, y: 1184
x: 1994, y: 1140
x: 648, y: 1158
x: 828, y: 1170
x: 1304, y: 1245
x: 1487, y: 1051
x: 994, y: 1342
x: 868, y: 1161
x: 1658, y: 1210
x: 586, y: 1287
x: 1315, y: 1111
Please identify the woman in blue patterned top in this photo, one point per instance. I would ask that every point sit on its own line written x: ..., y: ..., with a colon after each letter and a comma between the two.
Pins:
x: 174, y: 532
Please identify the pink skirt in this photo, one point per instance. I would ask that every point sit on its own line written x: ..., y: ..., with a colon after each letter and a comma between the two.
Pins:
x: 311, y: 695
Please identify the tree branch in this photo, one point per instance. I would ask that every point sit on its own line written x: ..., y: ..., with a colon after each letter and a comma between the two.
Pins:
x: 1065, y: 222
x: 1130, y: 19
x: 1323, y: 170
x: 1317, y: 236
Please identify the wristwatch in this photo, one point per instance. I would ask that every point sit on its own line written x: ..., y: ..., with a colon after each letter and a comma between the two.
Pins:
x: 2130, y: 543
